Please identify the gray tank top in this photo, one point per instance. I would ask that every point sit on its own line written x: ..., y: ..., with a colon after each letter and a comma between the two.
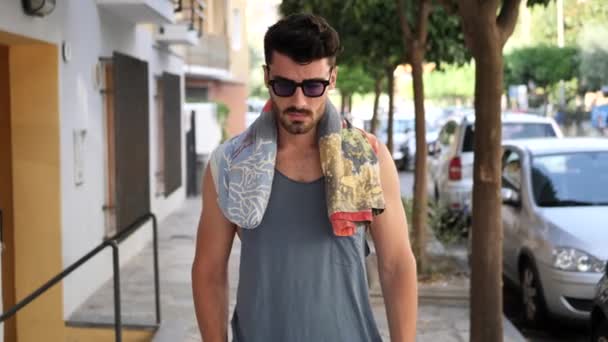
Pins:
x: 298, y: 282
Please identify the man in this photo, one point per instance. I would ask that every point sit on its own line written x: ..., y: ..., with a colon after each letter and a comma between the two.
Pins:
x: 299, y: 188
x: 599, y: 111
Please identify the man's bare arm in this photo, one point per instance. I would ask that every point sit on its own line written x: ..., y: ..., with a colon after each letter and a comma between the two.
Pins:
x: 210, y: 267
x: 396, y: 263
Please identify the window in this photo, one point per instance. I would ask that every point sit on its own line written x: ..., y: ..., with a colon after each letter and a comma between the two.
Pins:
x: 511, y: 171
x: 527, y: 130
x: 109, y: 206
x: 448, y: 133
x: 570, y: 179
x: 400, y: 126
x: 511, y: 130
x: 197, y: 94
x: 172, y: 133
x: 127, y: 135
x: 159, y: 175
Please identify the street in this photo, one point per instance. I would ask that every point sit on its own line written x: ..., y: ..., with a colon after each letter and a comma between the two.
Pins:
x: 554, y: 330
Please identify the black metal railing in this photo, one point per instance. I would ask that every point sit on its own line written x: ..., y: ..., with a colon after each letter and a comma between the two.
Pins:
x: 112, y: 242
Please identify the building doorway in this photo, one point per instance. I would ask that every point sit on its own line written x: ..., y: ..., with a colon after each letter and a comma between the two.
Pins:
x: 30, y: 186
x: 6, y: 197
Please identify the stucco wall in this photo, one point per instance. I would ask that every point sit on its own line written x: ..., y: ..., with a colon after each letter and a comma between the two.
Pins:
x: 93, y: 33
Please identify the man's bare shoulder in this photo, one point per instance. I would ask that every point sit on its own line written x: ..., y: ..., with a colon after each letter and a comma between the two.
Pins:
x: 385, y: 160
x: 212, y: 212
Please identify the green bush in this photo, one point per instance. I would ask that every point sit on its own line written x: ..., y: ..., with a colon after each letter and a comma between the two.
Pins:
x: 222, y: 118
x: 448, y: 226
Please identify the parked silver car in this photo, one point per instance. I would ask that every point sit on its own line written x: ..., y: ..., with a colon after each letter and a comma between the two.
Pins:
x: 403, y: 127
x: 555, y: 221
x: 451, y: 159
x: 408, y: 148
x: 599, y: 315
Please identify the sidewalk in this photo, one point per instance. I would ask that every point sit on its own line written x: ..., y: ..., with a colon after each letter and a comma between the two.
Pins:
x: 443, y: 304
x: 439, y: 319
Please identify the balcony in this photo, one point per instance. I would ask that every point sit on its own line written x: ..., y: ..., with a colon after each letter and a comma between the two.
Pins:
x: 141, y: 11
x: 178, y: 34
x: 212, y: 51
x: 188, y: 27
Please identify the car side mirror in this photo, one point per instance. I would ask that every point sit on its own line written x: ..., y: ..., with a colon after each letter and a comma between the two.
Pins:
x: 433, y: 149
x: 510, y: 197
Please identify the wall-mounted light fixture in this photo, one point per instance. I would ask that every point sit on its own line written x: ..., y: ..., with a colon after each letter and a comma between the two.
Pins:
x: 39, y: 8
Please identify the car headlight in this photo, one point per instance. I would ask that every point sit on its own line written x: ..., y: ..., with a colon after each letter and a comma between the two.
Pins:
x: 570, y: 259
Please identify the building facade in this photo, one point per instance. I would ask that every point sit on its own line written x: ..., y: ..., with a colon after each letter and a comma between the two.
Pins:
x: 93, y: 137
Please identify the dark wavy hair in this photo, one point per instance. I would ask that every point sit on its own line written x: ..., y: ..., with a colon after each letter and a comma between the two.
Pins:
x: 303, y: 38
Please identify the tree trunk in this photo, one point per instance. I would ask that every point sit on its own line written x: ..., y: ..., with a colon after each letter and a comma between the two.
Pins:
x: 377, y: 93
x: 391, y: 88
x: 350, y: 103
x: 420, y: 188
x: 486, y: 275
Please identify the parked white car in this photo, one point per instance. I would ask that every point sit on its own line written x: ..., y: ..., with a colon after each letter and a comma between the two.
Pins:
x: 451, y: 157
x: 403, y: 127
x: 555, y: 220
x: 406, y: 155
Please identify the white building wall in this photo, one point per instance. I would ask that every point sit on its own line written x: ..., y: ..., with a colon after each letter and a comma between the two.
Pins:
x: 93, y: 33
x: 208, y: 131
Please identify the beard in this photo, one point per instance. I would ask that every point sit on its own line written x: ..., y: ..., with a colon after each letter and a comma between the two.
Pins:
x: 300, y: 125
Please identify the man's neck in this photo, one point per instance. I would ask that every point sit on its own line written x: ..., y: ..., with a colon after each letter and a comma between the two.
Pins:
x: 296, y: 142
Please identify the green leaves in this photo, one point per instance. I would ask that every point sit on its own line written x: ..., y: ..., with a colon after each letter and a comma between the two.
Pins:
x: 354, y: 80
x: 451, y: 84
x: 371, y: 33
x: 538, y: 2
x: 545, y: 65
x: 594, y: 57
x: 445, y: 43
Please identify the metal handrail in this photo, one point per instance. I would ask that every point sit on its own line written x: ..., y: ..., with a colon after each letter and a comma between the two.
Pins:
x: 113, y: 242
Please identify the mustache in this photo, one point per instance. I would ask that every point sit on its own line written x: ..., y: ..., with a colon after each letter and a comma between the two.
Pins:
x: 297, y: 110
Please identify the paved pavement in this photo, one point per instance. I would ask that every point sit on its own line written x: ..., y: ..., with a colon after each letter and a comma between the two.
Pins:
x: 406, y: 180
x: 438, y: 320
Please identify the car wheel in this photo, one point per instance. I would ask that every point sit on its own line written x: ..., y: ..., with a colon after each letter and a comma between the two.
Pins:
x: 535, y: 312
x: 600, y: 331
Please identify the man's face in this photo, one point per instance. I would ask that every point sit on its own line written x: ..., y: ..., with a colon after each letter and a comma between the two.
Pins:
x: 298, y: 113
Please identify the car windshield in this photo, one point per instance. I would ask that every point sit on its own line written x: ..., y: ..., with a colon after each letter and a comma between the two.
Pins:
x: 399, y: 126
x: 570, y: 179
x: 512, y: 130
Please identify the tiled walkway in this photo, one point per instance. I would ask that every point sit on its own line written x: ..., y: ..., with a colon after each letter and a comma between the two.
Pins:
x: 436, y: 321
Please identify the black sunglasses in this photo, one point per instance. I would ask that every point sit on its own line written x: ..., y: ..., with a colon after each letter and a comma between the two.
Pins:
x: 311, y: 88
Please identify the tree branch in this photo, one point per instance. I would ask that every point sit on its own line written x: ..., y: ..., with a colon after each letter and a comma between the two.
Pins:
x: 405, y: 26
x: 469, y: 11
x: 423, y: 22
x: 507, y: 19
x: 450, y: 6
